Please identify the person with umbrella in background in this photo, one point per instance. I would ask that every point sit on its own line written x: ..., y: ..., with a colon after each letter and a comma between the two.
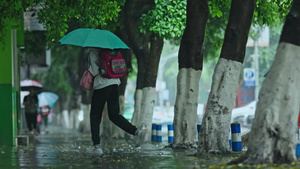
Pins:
x: 46, y: 101
x: 44, y: 112
x: 105, y: 89
x: 31, y: 103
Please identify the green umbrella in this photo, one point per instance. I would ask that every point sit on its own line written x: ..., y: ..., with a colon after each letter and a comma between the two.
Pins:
x: 85, y: 37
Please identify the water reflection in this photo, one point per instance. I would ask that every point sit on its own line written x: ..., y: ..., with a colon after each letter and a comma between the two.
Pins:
x: 8, y: 157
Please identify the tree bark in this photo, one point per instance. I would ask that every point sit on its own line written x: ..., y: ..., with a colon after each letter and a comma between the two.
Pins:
x: 148, y: 60
x: 214, y: 133
x: 272, y: 137
x: 190, y: 60
x: 139, y: 48
x: 149, y: 81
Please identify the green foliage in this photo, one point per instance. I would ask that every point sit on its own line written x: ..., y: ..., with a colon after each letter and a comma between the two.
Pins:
x: 217, y: 8
x: 56, y: 14
x: 167, y: 19
x: 215, y: 28
x: 35, y: 43
x: 267, y: 13
x: 271, y: 13
x: 11, y: 10
x: 56, y: 79
x: 62, y: 16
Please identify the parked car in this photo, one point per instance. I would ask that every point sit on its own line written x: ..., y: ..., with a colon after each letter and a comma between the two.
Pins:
x: 244, y: 115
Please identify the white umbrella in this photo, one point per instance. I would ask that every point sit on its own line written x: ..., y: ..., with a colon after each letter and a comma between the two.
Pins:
x: 27, y: 84
x: 47, y: 98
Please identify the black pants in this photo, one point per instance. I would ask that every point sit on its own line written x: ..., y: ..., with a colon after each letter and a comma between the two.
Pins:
x: 31, y: 119
x: 109, y: 94
x: 45, y: 121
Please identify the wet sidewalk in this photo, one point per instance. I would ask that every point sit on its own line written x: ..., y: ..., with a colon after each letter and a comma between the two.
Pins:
x: 66, y: 149
x: 62, y: 148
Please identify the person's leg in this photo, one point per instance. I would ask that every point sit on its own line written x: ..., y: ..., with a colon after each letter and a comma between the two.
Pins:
x: 114, y: 111
x: 97, y: 105
x: 28, y: 120
x: 46, y: 123
x: 34, y: 123
x: 34, y: 120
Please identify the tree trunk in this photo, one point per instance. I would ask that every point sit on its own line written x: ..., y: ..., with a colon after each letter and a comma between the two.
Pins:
x: 139, y: 48
x: 272, y: 137
x: 214, y: 133
x: 84, y: 125
x: 148, y: 87
x: 148, y: 60
x: 190, y: 68
x: 137, y: 106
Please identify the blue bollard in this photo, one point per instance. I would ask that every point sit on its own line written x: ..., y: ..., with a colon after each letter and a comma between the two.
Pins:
x: 198, y: 128
x: 229, y: 138
x: 158, y: 133
x: 153, y: 136
x: 298, y: 150
x: 236, y: 138
x: 170, y: 133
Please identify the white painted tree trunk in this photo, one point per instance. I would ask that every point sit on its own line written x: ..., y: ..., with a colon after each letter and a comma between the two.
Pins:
x: 147, y: 106
x: 85, y: 124
x: 214, y: 133
x: 66, y: 121
x: 273, y: 132
x: 138, y: 95
x: 185, y: 117
x: 73, y: 119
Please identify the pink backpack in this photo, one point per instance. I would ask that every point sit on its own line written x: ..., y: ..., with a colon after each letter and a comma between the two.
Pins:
x: 111, y: 64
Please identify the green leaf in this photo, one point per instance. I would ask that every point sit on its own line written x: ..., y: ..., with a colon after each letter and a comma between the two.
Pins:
x: 219, y: 14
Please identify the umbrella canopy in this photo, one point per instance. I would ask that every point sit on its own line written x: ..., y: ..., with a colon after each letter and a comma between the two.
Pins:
x: 28, y: 84
x: 47, y: 98
x: 85, y: 37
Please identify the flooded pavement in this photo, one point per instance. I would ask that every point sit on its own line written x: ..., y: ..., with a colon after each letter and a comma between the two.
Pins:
x: 68, y: 150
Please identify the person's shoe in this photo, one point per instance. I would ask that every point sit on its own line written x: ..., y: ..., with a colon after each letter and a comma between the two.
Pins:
x: 140, y: 136
x: 35, y: 132
x: 96, y: 151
